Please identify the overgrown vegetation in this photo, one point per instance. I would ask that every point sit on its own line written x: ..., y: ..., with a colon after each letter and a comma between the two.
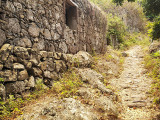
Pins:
x: 120, y: 2
x: 151, y: 8
x: 66, y: 87
x: 68, y: 84
x: 156, y: 29
x: 116, y: 28
x: 12, y: 106
x: 102, y: 63
x: 152, y: 64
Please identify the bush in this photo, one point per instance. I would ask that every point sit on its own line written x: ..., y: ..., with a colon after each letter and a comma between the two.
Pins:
x: 152, y: 64
x: 156, y: 29
x: 10, y: 107
x: 116, y: 29
x: 151, y: 8
x: 68, y: 84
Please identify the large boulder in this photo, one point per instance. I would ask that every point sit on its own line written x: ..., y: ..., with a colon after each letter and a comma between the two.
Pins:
x: 104, y: 104
x: 82, y: 58
x: 94, y: 78
x: 154, y: 47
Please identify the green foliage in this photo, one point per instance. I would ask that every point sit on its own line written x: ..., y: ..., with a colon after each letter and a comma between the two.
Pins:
x: 118, y: 2
x: 40, y: 85
x: 152, y: 64
x: 1, y: 80
x: 116, y: 28
x: 156, y: 29
x: 68, y: 84
x: 10, y: 107
x: 156, y: 54
x: 134, y: 39
x: 152, y: 8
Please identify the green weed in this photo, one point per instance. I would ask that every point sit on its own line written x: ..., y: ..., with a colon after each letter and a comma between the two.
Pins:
x: 68, y: 84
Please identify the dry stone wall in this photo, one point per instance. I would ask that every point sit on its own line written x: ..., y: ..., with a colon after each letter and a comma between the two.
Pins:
x: 41, y: 24
x: 37, y: 37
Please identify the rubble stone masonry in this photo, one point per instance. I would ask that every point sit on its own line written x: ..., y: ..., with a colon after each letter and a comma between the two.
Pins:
x: 35, y: 35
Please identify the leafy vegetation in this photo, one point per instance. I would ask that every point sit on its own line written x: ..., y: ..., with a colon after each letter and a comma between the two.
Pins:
x: 152, y: 64
x: 156, y: 29
x: 116, y: 28
x: 120, y: 2
x: 12, y: 106
x: 68, y: 84
x: 134, y: 39
x: 151, y: 8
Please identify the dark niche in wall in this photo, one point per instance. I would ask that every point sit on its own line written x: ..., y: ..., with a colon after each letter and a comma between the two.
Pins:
x: 71, y: 14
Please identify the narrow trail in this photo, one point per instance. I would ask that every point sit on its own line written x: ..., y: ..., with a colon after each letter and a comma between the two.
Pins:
x: 133, y: 86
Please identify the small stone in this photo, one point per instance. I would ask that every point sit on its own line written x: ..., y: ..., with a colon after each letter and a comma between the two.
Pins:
x: 29, y: 65
x: 34, y: 30
x: 57, y: 56
x: 31, y: 82
x: 47, y: 74
x: 25, y: 42
x: 37, y: 72
x: 60, y: 66
x: 1, y: 67
x: 43, y: 65
x: 48, y: 111
x: 14, y: 25
x: 36, y: 40
x: 47, y: 34
x: 43, y: 54
x: 22, y: 16
x: 18, y: 66
x: 30, y: 15
x: 23, y: 75
x: 21, y: 52
x: 8, y: 75
x: 50, y: 54
x: 4, y: 52
x: 124, y: 54
x: 34, y: 62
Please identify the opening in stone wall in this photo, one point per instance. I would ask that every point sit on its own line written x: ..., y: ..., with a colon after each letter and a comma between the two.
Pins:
x: 71, y: 14
x: 1, y: 15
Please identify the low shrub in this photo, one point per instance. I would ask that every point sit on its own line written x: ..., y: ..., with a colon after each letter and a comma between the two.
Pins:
x: 116, y: 29
x: 68, y: 84
x: 152, y: 64
x: 156, y: 29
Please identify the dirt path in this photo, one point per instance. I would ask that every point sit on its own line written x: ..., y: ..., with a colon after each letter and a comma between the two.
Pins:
x: 133, y: 86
